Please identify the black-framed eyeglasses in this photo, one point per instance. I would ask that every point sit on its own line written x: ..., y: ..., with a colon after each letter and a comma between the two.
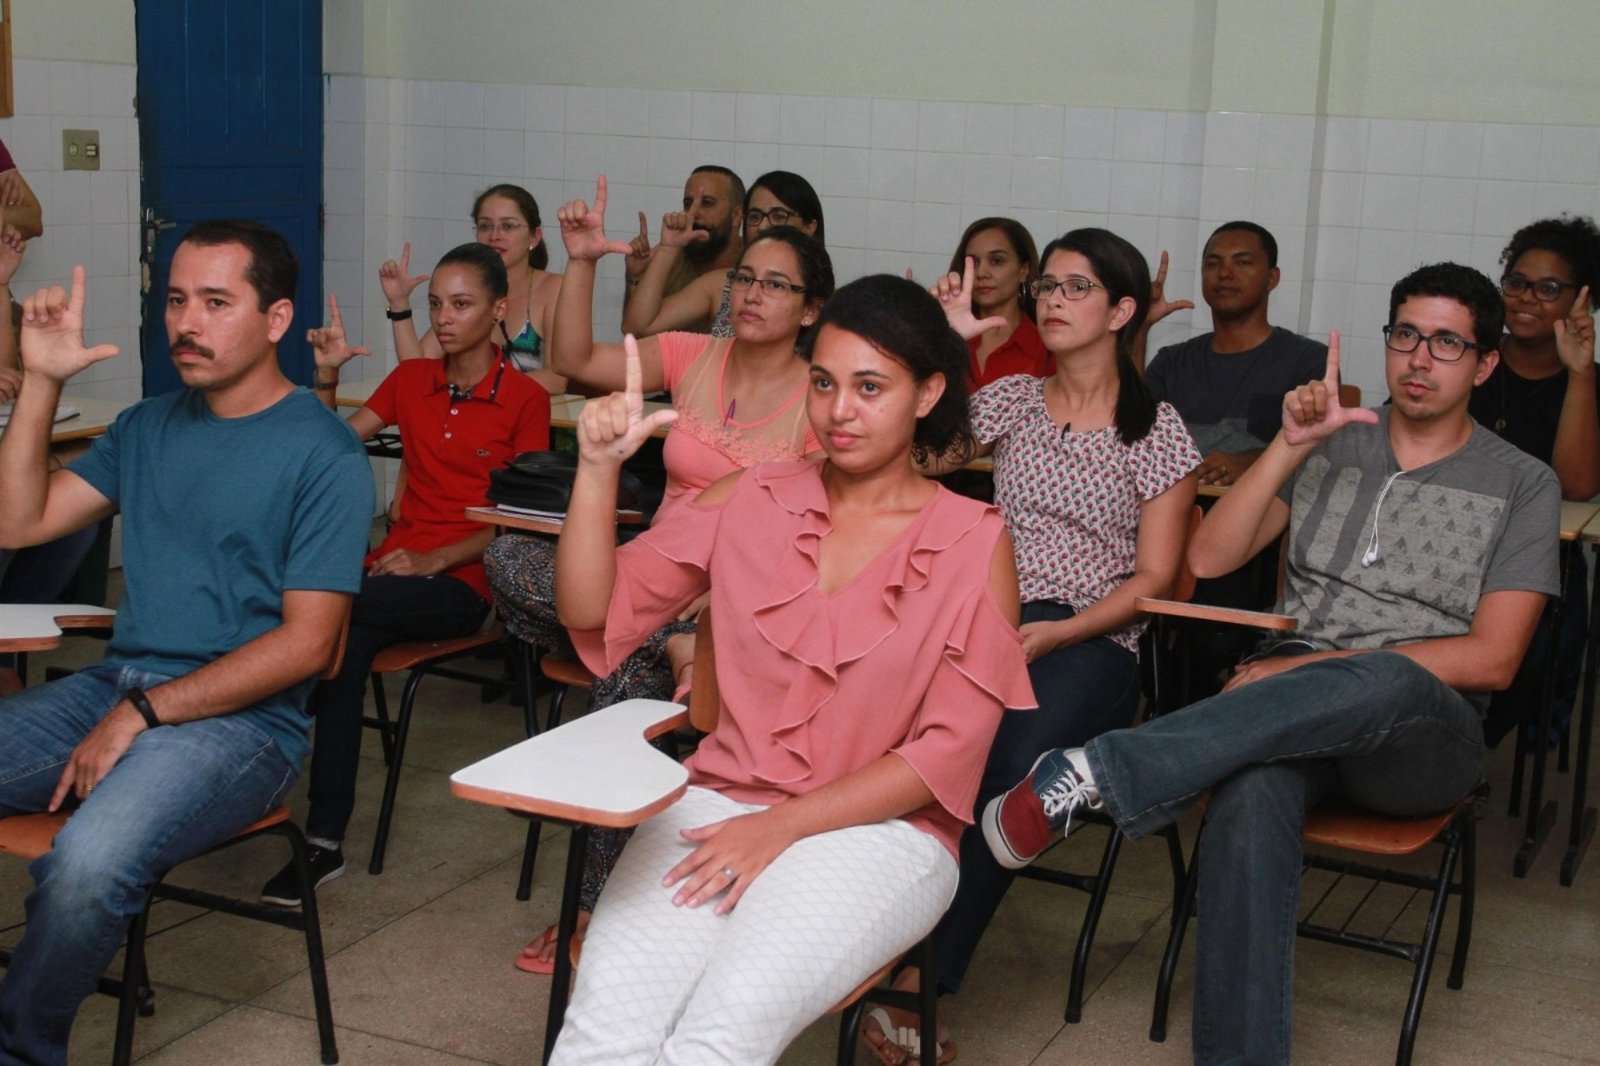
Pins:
x: 506, y: 226
x: 754, y: 217
x: 1073, y: 288
x: 1445, y: 347
x: 1545, y: 289
x: 771, y: 286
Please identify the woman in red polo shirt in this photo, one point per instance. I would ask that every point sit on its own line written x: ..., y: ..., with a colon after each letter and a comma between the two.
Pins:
x: 460, y: 417
x: 1004, y: 261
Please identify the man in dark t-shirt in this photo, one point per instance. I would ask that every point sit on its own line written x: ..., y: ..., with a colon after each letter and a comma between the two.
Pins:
x: 1228, y: 384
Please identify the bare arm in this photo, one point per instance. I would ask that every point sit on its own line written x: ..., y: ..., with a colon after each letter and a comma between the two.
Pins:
x: 421, y: 564
x: 41, y: 506
x: 1484, y: 659
x: 649, y: 312
x: 397, y: 283
x: 1576, y: 456
x: 302, y: 646
x: 1160, y: 307
x: 330, y: 352
x: 19, y: 207
x: 1251, y: 516
x: 1163, y: 521
x: 610, y: 429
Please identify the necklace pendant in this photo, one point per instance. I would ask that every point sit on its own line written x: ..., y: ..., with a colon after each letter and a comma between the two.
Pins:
x: 1500, y: 424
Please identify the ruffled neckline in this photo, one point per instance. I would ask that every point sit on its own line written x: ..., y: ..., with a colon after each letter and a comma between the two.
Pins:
x: 794, y: 616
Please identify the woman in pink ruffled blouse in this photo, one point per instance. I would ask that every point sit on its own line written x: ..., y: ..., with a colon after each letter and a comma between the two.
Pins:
x: 866, y: 647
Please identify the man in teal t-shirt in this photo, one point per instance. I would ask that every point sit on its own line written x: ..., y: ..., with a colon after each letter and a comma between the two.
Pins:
x: 245, y: 509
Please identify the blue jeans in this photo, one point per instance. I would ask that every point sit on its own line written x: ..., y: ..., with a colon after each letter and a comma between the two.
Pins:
x: 1083, y: 690
x: 178, y: 791
x: 1376, y: 729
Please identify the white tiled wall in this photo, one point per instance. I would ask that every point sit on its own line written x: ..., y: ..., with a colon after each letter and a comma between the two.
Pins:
x: 1354, y: 203
x: 90, y: 216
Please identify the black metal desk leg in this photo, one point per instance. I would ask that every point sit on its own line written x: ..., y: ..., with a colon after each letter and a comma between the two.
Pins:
x: 567, y: 924
x: 1583, y: 816
x: 1542, y: 813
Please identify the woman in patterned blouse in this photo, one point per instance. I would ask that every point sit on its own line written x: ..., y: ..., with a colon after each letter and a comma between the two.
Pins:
x: 1095, y: 481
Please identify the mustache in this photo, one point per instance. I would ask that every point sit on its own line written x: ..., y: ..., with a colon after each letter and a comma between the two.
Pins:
x: 1419, y: 378
x: 184, y: 344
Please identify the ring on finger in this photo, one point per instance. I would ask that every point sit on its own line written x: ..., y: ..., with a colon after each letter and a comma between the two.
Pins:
x: 730, y: 873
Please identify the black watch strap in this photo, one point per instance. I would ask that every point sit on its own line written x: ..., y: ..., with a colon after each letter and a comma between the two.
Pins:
x: 141, y: 703
x: 397, y: 316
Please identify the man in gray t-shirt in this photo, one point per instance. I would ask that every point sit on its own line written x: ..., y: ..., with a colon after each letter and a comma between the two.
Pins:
x: 1422, y: 552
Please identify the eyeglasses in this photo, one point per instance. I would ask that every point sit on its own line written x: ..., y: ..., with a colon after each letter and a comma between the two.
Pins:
x: 1545, y: 289
x: 778, y: 216
x: 506, y: 227
x: 771, y: 286
x: 1073, y: 288
x: 1445, y: 347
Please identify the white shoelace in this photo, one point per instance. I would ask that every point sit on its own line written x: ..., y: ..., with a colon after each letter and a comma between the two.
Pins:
x: 1065, y: 794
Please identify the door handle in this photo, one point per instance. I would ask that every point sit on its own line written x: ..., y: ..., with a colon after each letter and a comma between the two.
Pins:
x: 153, y: 227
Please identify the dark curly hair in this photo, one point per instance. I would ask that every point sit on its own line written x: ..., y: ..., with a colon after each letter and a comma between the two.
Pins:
x: 1574, y: 238
x: 1470, y: 288
x: 901, y: 320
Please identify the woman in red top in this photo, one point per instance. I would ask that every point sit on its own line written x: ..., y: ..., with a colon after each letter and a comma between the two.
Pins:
x: 460, y: 416
x: 1004, y: 261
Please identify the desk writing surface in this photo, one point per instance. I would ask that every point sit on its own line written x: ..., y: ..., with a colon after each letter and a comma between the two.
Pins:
x: 35, y: 626
x: 92, y: 419
x: 355, y: 393
x: 1580, y: 518
x: 596, y: 768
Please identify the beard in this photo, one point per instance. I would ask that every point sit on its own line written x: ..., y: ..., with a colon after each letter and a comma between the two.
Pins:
x: 704, y: 253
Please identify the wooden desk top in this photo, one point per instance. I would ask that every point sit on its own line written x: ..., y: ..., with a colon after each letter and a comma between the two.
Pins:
x: 1580, y: 519
x: 494, y: 516
x: 38, y: 626
x: 93, y: 417
x: 596, y: 769
x: 355, y: 393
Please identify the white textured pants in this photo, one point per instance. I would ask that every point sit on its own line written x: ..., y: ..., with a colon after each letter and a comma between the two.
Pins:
x: 674, y: 985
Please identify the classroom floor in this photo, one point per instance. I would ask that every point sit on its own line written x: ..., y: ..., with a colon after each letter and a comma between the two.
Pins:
x: 420, y: 957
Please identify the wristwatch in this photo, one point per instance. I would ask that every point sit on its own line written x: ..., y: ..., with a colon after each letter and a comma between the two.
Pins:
x: 141, y: 703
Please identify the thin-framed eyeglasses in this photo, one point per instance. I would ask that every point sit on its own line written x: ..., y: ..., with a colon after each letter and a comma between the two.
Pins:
x: 771, y: 286
x: 1545, y: 290
x: 779, y: 216
x: 1445, y: 347
x: 1073, y: 288
x: 505, y: 226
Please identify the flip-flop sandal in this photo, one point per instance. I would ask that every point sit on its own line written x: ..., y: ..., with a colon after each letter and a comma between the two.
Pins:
x: 905, y: 1038
x: 529, y: 961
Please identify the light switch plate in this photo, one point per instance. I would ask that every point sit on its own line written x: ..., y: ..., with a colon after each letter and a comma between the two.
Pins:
x: 80, y: 149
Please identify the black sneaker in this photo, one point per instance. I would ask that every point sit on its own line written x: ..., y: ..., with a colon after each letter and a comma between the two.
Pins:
x: 284, y: 888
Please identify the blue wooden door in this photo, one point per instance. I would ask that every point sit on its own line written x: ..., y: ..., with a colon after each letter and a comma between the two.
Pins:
x: 230, y: 125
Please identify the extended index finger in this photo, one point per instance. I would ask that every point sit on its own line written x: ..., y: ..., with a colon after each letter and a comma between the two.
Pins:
x: 1331, y: 378
x: 600, y: 195
x: 966, y: 276
x: 405, y: 258
x: 335, y: 319
x: 1161, y: 271
x: 79, y: 284
x: 644, y: 227
x: 1580, y: 304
